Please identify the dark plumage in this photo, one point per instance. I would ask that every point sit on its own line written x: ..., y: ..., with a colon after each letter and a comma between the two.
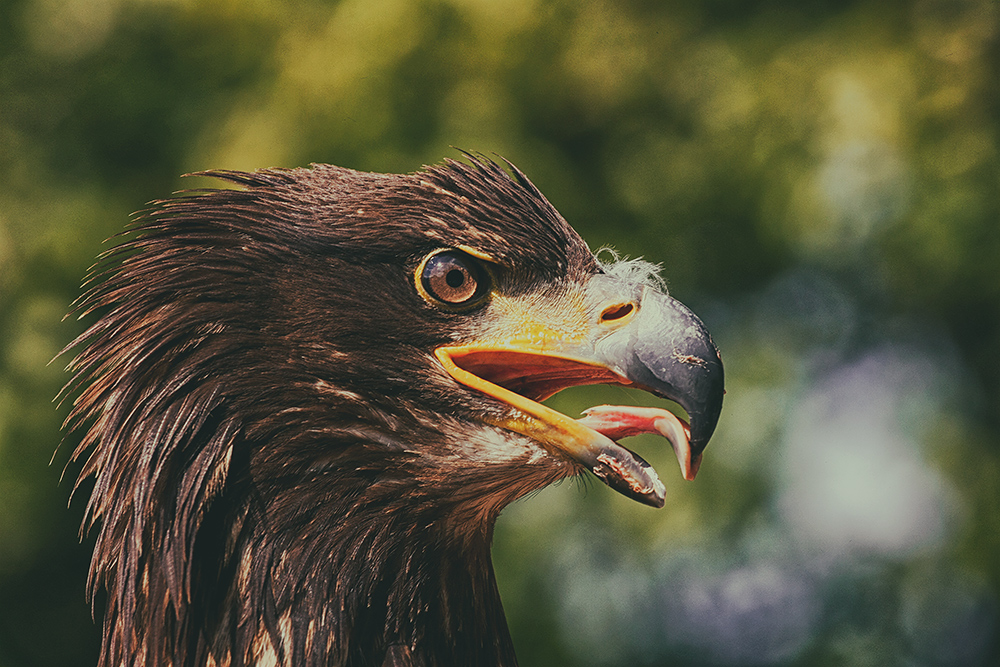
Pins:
x: 291, y: 463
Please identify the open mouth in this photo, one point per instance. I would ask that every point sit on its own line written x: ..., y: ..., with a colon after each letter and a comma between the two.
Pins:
x: 532, y: 375
x: 521, y: 378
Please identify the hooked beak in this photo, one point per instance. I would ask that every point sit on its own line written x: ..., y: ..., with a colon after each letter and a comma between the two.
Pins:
x: 646, y: 339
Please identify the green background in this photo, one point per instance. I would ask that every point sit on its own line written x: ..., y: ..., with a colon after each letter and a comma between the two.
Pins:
x: 819, y: 180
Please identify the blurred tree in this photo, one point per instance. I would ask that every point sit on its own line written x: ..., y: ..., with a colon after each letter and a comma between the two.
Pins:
x: 819, y: 179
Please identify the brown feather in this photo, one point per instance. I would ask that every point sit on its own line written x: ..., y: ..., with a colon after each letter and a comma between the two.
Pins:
x: 280, y: 471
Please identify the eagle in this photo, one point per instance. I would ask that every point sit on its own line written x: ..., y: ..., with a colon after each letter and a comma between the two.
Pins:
x: 308, y: 396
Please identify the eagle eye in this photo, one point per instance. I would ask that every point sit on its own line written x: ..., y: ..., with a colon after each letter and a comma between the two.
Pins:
x: 453, y: 278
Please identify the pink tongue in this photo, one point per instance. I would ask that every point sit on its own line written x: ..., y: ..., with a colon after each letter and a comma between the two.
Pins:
x: 620, y: 421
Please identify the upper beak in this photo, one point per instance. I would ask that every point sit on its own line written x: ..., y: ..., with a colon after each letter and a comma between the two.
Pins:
x: 667, y: 351
x: 634, y: 335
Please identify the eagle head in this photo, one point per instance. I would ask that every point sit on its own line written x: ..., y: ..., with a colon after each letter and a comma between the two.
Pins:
x: 307, y: 400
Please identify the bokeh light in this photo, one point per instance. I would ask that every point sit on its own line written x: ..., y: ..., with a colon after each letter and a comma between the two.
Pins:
x: 819, y: 180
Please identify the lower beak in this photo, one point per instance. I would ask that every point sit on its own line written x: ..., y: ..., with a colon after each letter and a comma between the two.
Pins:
x: 661, y: 347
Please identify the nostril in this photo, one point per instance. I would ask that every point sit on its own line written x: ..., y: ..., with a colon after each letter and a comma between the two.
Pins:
x: 617, y: 312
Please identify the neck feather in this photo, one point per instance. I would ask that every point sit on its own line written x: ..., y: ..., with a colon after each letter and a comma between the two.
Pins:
x: 373, y: 583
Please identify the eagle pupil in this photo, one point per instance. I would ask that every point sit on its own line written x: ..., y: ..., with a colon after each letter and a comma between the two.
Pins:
x: 455, y: 278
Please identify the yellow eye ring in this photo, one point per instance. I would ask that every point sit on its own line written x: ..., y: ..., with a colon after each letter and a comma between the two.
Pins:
x: 453, y: 279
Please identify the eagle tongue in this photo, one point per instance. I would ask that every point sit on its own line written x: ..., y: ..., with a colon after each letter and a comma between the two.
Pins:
x: 620, y: 421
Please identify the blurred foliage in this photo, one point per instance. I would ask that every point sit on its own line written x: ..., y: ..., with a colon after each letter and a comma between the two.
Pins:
x: 819, y: 179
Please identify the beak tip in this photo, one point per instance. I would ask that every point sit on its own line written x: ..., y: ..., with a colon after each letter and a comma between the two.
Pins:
x: 692, y: 470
